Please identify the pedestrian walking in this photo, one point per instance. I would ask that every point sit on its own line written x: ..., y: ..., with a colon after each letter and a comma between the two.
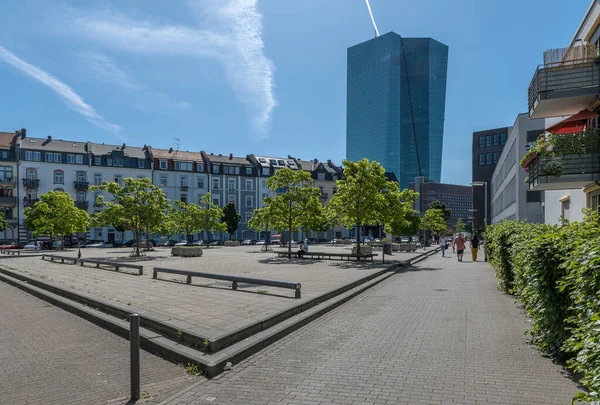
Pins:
x: 474, y: 247
x: 443, y: 245
x: 460, y: 242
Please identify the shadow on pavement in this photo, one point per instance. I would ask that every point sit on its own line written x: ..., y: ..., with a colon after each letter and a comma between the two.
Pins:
x: 227, y: 286
x: 285, y: 260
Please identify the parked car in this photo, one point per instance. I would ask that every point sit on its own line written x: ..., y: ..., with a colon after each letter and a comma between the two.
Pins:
x: 404, y: 239
x: 100, y: 244
x: 198, y: 243
x: 248, y: 242
x: 169, y: 243
x: 215, y: 243
x: 33, y: 245
x: 12, y: 245
x: 260, y: 242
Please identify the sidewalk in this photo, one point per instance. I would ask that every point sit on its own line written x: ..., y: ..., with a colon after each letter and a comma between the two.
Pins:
x: 439, y: 334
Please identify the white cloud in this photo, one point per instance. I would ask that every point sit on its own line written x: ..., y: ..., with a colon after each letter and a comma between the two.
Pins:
x: 232, y: 34
x: 71, y: 99
x: 105, y: 68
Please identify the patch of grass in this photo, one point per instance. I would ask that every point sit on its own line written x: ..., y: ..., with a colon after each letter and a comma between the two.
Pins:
x: 128, y: 303
x: 180, y: 335
x: 44, y: 277
x: 192, y: 368
x: 145, y: 395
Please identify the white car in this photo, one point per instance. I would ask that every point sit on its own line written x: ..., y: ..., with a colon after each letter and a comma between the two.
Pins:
x: 404, y: 239
x: 260, y: 242
x: 181, y: 244
x: 33, y: 246
x: 100, y: 245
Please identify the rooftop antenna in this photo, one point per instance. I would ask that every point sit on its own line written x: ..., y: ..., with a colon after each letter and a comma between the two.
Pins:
x: 372, y: 18
x: 178, y: 140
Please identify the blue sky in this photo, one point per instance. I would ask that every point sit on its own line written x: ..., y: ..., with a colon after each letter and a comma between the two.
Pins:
x: 265, y: 77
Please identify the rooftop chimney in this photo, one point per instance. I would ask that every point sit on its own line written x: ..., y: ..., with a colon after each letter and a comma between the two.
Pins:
x: 23, y: 133
x: 220, y: 155
x: 315, y: 161
x: 170, y: 150
x: 123, y: 147
x: 230, y: 156
x: 49, y: 138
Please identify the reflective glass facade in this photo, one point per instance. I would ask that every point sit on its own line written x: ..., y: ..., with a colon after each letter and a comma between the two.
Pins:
x: 382, y: 73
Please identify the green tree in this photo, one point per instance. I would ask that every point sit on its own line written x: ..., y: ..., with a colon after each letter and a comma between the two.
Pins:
x: 55, y: 215
x: 294, y: 205
x: 138, y: 205
x: 437, y: 204
x: 460, y: 226
x: 361, y: 198
x: 231, y: 218
x: 211, y: 215
x: 261, y: 218
x: 3, y: 222
x: 434, y: 221
x: 186, y: 218
x: 401, y: 218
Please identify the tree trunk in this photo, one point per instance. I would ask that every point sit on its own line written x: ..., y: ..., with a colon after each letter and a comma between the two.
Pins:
x: 290, y: 233
x: 358, y: 229
x: 137, y: 242
x: 147, y: 237
x: 122, y: 238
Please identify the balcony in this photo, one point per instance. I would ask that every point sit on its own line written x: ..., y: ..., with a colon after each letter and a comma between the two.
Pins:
x: 8, y: 182
x: 183, y: 188
x: 324, y: 196
x: 82, y: 205
x: 28, y: 202
x: 8, y: 200
x: 563, y: 88
x: 81, y: 185
x: 31, y: 182
x: 564, y: 172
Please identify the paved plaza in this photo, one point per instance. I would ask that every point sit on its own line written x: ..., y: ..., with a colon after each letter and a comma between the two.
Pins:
x: 439, y: 334
x: 208, y: 308
x: 49, y: 356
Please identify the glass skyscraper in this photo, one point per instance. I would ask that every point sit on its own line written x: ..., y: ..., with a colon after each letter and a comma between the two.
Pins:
x: 387, y: 76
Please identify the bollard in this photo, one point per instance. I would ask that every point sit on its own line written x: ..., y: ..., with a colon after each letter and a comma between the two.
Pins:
x: 134, y: 342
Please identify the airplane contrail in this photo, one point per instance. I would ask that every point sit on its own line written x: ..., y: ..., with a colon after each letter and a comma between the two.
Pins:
x: 372, y: 18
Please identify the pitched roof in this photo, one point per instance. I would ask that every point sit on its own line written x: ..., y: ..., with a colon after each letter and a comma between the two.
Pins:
x: 308, y: 165
x: 177, y: 155
x: 131, y: 151
x: 229, y: 159
x: 55, y: 145
x: 6, y: 139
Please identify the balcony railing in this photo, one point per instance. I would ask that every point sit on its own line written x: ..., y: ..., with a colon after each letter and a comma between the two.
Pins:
x: 31, y: 182
x: 8, y: 181
x: 575, y: 82
x: 183, y: 188
x: 81, y: 185
x: 28, y: 202
x: 564, y: 172
x: 5, y: 200
x: 82, y: 205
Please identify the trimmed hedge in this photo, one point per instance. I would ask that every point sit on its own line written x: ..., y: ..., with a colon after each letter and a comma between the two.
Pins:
x: 554, y: 271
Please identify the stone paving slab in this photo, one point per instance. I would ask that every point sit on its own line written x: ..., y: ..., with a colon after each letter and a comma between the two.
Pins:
x: 49, y: 356
x: 440, y: 334
x: 208, y: 308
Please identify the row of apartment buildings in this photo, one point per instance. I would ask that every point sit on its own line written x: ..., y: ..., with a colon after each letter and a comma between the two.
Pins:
x: 563, y: 98
x: 29, y: 167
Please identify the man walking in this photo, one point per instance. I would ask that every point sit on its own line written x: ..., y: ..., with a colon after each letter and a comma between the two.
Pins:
x: 474, y: 247
x: 443, y: 245
x: 460, y: 242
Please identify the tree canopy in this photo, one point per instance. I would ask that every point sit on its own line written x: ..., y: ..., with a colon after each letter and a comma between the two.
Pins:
x: 55, y: 215
x: 434, y: 221
x: 437, y: 204
x: 460, y: 226
x: 138, y: 205
x: 186, y: 218
x: 3, y: 222
x: 231, y: 218
x: 211, y: 215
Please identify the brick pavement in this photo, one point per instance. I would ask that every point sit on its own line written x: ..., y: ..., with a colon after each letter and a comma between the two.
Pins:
x: 440, y: 334
x: 209, y: 312
x: 49, y: 356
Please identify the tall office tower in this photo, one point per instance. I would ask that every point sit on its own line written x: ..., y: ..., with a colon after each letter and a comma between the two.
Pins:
x: 396, y: 95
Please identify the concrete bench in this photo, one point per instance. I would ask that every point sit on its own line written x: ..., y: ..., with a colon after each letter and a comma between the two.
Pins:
x: 329, y: 256
x: 12, y: 252
x: 62, y: 259
x: 234, y: 279
x: 116, y: 265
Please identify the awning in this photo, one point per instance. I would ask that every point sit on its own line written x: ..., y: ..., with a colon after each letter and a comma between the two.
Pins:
x: 573, y: 124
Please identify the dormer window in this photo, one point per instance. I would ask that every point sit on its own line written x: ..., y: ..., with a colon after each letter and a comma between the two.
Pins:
x: 163, y: 164
x: 281, y: 162
x: 273, y: 162
x: 185, y: 166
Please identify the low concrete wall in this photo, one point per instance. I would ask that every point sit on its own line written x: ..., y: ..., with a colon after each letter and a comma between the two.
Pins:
x: 186, y: 251
x: 364, y: 250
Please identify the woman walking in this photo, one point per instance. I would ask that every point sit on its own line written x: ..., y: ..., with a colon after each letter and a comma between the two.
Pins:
x: 443, y: 245
x: 474, y: 247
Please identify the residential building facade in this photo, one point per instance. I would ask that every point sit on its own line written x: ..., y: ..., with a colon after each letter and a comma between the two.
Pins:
x: 396, y: 95
x: 455, y: 197
x: 487, y: 146
x: 9, y: 184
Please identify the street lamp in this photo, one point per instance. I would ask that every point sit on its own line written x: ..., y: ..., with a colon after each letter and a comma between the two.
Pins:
x: 483, y: 184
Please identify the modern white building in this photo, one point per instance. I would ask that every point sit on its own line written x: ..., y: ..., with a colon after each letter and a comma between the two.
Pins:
x: 511, y: 198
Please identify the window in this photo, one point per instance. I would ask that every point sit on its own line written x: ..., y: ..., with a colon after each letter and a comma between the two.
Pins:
x: 248, y: 216
x: 28, y: 155
x: 109, y: 161
x: 98, y: 161
x: 216, y: 184
x: 533, y: 196
x: 81, y: 196
x: 594, y: 204
x: 266, y: 171
x: 141, y: 163
x: 226, y: 170
x: 31, y: 174
x: 163, y: 164
x: 200, y: 167
x: 249, y: 201
x: 48, y: 157
x: 503, y: 138
x: 231, y: 184
x: 320, y: 176
x: 118, y: 179
x: 236, y: 170
x: 481, y: 161
x: 264, y: 184
x: 200, y: 182
x: 215, y: 169
x: 117, y: 162
x: 59, y: 177
x: 248, y: 185
x: 216, y: 200
x: 273, y: 162
x: 495, y: 157
x: 231, y: 198
x: 183, y: 198
x: 81, y: 177
x: 281, y: 162
x: 183, y: 166
x: 265, y: 195
x: 565, y: 207
x: 70, y: 159
x: 5, y: 156
x: 481, y: 141
x: 79, y: 159
x: 495, y: 139
x: 183, y: 181
x: 163, y: 181
x: 488, y: 158
x: 37, y: 156
x: 97, y: 179
x: 488, y: 140
x: 8, y: 173
x: 249, y: 171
